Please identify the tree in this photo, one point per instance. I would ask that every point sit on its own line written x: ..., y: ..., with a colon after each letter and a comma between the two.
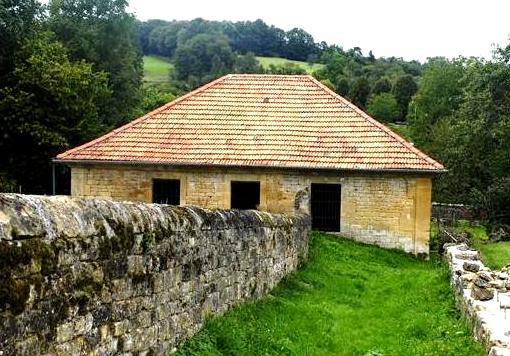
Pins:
x: 288, y: 68
x: 144, y: 31
x: 203, y: 58
x: 256, y: 37
x: 247, y: 64
x: 359, y: 92
x: 103, y: 33
x: 162, y: 40
x: 299, y: 44
x: 153, y: 98
x: 383, y: 107
x: 342, y: 85
x: 18, y: 20
x: 382, y: 85
x: 52, y: 106
x: 460, y: 114
x: 403, y: 90
x: 438, y: 97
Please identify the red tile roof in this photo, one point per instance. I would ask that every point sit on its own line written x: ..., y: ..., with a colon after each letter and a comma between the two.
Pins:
x: 256, y: 120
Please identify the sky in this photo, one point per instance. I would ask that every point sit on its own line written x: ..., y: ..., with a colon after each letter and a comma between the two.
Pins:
x: 413, y: 29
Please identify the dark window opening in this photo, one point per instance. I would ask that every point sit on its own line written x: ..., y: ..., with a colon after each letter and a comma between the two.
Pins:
x: 325, y: 203
x: 244, y: 195
x: 166, y: 191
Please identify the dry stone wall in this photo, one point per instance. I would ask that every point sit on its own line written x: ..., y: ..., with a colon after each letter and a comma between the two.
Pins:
x: 483, y: 296
x: 90, y: 276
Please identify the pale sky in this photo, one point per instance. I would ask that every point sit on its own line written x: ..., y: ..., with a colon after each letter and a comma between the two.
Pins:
x: 410, y: 29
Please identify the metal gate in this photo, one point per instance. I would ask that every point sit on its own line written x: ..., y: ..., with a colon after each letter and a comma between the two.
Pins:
x: 325, y: 202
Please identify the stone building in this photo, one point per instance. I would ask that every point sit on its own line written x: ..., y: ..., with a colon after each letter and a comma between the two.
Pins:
x: 270, y: 142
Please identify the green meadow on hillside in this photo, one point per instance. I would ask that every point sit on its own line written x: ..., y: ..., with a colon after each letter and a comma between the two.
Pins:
x: 156, y: 70
x: 348, y: 299
x: 265, y: 62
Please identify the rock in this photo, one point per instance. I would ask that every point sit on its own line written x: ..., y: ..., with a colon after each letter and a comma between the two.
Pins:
x: 485, y: 275
x: 83, y: 324
x: 478, y: 293
x: 498, y: 284
x: 480, y: 308
x: 471, y: 266
x: 480, y: 282
x: 502, y: 275
x: 468, y: 255
x: 499, y: 351
x: 467, y: 279
x: 65, y: 332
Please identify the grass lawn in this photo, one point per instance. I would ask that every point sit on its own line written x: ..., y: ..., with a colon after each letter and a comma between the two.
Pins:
x: 495, y: 255
x: 349, y: 299
x: 267, y: 61
x: 156, y: 70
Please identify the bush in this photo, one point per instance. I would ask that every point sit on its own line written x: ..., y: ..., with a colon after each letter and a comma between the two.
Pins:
x: 383, y: 107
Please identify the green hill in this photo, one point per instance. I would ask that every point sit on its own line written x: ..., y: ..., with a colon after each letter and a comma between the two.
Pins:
x: 277, y: 61
x: 156, y: 70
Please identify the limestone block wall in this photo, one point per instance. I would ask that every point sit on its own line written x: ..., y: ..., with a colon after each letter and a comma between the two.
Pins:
x: 89, y: 276
x: 390, y: 210
x: 483, y: 296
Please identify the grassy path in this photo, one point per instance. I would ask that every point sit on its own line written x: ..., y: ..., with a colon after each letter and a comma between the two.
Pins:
x: 349, y: 299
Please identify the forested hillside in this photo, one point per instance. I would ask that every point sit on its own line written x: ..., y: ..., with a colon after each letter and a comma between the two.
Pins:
x: 73, y: 70
x: 202, y: 50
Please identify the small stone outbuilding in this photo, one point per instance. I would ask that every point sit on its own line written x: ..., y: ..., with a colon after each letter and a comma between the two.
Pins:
x: 278, y: 143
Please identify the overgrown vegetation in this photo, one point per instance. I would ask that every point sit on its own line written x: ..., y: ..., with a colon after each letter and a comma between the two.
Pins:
x: 349, y: 299
x: 69, y: 71
x: 460, y: 116
x: 495, y: 254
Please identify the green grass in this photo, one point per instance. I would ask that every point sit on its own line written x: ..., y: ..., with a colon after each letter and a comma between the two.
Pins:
x: 265, y: 62
x: 477, y: 232
x: 495, y: 255
x: 349, y: 299
x: 156, y: 70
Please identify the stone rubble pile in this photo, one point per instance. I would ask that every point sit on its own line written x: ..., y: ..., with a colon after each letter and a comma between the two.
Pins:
x: 483, y: 296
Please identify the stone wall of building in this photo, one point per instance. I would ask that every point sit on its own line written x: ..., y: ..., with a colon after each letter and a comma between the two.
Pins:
x: 390, y: 210
x: 89, y: 276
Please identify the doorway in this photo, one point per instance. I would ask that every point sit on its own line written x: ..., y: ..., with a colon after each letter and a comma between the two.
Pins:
x: 325, y: 204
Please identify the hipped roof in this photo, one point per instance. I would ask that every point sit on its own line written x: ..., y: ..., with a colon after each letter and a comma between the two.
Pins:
x: 252, y: 120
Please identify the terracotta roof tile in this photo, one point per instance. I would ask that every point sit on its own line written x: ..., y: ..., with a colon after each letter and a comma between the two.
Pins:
x: 260, y: 121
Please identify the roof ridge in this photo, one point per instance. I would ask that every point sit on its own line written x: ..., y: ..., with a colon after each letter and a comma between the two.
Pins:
x: 376, y: 123
x: 144, y: 117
